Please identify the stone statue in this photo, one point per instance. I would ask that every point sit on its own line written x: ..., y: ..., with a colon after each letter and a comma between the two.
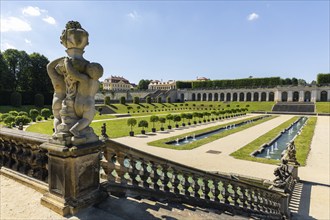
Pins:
x: 292, y: 153
x: 282, y: 174
x: 75, y: 82
x: 104, y: 132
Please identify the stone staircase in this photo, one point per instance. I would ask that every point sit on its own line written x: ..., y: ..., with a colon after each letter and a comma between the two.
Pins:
x: 300, y: 107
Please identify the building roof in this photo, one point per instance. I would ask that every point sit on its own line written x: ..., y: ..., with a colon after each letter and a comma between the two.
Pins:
x: 116, y: 79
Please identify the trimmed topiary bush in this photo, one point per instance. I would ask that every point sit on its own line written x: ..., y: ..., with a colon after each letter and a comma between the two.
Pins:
x: 45, y: 112
x: 13, y: 113
x: 16, y: 99
x: 21, y: 113
x: 22, y: 119
x: 107, y: 100
x: 39, y: 118
x: 39, y: 100
x: 148, y: 99
x: 136, y: 100
x: 9, y: 120
x: 34, y: 114
x: 122, y: 100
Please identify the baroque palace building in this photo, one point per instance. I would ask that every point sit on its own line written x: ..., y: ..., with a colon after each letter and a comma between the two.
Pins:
x: 279, y: 94
x: 116, y: 83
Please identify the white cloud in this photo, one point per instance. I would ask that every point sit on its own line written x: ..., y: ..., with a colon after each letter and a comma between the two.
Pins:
x: 14, y: 24
x: 133, y: 15
x: 49, y: 20
x: 28, y: 41
x: 5, y: 46
x: 253, y: 16
x: 32, y: 11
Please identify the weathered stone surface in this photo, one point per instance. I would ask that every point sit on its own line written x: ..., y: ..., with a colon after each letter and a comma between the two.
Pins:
x: 75, y: 82
x: 73, y: 177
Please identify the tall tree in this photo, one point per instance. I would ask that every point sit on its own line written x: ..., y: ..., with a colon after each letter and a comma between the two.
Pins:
x: 6, y: 79
x: 40, y: 82
x: 143, y: 84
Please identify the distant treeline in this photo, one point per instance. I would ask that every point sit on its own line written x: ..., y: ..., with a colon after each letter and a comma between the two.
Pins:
x: 323, y: 78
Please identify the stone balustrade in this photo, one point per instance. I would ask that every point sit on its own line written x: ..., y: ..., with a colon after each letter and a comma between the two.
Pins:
x: 20, y: 151
x: 127, y: 170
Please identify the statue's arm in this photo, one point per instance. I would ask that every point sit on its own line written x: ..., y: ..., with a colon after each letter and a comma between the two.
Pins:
x: 51, y: 67
x: 73, y: 72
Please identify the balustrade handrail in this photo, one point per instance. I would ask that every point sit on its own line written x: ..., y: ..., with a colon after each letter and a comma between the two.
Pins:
x: 119, y: 147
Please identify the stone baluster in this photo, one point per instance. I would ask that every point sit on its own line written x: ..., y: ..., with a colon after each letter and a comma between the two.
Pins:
x: 177, y: 182
x: 158, y: 177
x: 136, y: 166
x: 217, y: 191
x: 121, y: 169
x: 209, y: 190
x: 187, y: 185
x: 144, y: 174
x: 243, y: 197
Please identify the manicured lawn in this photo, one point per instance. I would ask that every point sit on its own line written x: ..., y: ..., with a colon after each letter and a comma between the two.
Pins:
x: 198, y: 143
x: 43, y: 127
x: 302, y: 143
x: 304, y: 140
x: 323, y: 107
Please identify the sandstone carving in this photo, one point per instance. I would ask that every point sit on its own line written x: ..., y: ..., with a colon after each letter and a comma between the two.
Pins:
x: 75, y: 82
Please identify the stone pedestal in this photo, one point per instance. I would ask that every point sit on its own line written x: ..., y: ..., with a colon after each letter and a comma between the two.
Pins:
x: 73, y: 177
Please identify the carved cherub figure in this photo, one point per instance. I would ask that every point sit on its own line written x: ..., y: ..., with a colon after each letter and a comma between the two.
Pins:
x: 87, y: 87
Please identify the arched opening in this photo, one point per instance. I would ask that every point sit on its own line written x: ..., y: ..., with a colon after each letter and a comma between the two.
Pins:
x: 307, y: 96
x: 182, y: 97
x: 222, y: 97
x: 204, y: 96
x: 199, y: 97
x: 248, y: 97
x: 209, y: 97
x: 235, y: 97
x: 295, y: 97
x: 228, y: 97
x: 216, y: 97
x: 284, y: 97
x: 193, y: 97
x: 324, y: 96
x: 241, y: 97
x: 256, y: 96
x: 263, y: 97
x: 271, y: 97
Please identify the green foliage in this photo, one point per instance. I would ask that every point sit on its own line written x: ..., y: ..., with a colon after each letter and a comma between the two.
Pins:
x: 183, y: 85
x: 122, y: 100
x: 9, y: 120
x: 153, y: 119
x: 176, y: 118
x: 13, y: 113
x: 131, y: 122
x: 162, y: 120
x: 21, y: 113
x: 143, y: 124
x: 168, y: 99
x: 148, y: 99
x: 39, y: 100
x: 4, y: 116
x: 45, y: 112
x: 238, y: 83
x: 323, y: 78
x: 33, y: 114
x: 107, y: 100
x: 39, y: 118
x: 22, y: 119
x: 159, y: 99
x: 16, y: 99
x: 136, y: 100
x: 143, y: 84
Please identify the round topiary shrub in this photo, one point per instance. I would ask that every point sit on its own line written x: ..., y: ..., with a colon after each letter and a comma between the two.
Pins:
x: 39, y: 118
x: 45, y: 112
x: 16, y: 99
x: 13, y: 113
x: 22, y: 119
x: 9, y: 120
x: 34, y: 114
x: 21, y: 113
x: 39, y: 100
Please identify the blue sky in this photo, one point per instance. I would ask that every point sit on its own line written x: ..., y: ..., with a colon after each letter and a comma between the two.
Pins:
x: 180, y: 40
